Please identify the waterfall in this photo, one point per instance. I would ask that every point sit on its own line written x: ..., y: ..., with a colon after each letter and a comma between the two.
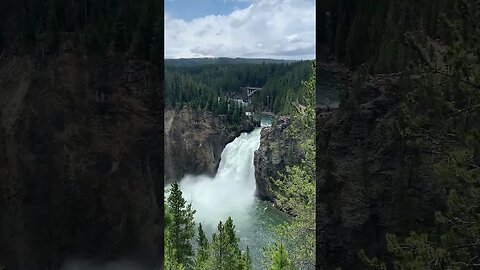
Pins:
x: 231, y: 191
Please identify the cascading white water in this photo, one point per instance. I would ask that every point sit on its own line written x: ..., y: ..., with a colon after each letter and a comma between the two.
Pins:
x: 231, y: 191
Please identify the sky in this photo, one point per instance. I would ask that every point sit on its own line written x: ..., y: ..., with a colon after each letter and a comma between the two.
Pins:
x: 279, y: 29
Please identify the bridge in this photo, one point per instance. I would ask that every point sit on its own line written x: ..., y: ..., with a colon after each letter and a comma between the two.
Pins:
x: 251, y: 90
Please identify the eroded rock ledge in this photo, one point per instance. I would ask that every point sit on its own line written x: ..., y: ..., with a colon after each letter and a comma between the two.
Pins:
x: 277, y: 150
x: 194, y: 141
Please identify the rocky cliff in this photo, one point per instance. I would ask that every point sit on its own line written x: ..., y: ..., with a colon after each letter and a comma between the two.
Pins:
x: 194, y: 141
x: 277, y: 150
x: 369, y: 180
x: 80, y: 158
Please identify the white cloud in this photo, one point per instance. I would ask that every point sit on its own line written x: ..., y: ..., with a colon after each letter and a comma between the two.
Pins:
x: 267, y: 29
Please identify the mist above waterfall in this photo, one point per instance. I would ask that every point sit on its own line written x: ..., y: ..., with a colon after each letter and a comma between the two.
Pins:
x: 231, y: 191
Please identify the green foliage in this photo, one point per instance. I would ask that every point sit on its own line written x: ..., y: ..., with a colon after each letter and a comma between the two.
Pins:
x: 225, y: 250
x: 222, y: 254
x: 247, y: 260
x: 209, y: 86
x: 203, y: 252
x: 101, y: 24
x: 371, y: 263
x: 181, y: 227
x: 279, y: 258
x: 455, y: 241
x: 442, y: 109
x: 356, y: 33
x: 297, y: 186
x: 171, y: 255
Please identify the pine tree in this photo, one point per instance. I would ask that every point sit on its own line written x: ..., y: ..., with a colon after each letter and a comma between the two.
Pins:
x: 203, y: 255
x: 226, y: 253
x: 182, y: 226
x: 247, y: 260
x: 171, y: 262
x: 279, y: 258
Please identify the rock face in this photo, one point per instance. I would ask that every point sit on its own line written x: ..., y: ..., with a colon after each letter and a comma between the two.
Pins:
x: 80, y: 159
x: 194, y: 141
x: 276, y: 151
x: 368, y: 182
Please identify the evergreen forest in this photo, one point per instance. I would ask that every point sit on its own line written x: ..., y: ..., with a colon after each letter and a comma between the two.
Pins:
x: 213, y: 86
x: 103, y: 27
x: 410, y: 196
x: 187, y: 246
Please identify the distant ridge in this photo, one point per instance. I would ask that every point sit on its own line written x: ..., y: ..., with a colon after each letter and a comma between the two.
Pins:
x: 225, y: 61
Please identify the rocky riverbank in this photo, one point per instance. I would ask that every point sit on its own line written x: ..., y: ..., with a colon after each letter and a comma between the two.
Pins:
x: 277, y: 150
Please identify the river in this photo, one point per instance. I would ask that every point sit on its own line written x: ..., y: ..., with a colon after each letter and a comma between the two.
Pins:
x: 231, y: 193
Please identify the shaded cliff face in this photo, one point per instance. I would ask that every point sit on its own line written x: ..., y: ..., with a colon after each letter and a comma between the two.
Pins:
x: 368, y: 181
x: 277, y: 150
x: 194, y: 141
x: 80, y: 159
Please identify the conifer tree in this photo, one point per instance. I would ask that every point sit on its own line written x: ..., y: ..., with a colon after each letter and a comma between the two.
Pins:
x: 247, y: 260
x: 279, y: 258
x: 226, y: 253
x: 203, y: 252
x: 171, y: 255
x: 182, y: 226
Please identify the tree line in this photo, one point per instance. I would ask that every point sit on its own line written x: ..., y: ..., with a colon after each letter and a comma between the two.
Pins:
x: 197, y: 85
x: 103, y: 26
x: 356, y: 34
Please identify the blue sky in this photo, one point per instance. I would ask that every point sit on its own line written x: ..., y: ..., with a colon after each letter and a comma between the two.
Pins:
x: 191, y: 9
x: 280, y: 29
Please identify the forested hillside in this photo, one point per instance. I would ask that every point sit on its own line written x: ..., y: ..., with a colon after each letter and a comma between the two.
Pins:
x: 104, y: 27
x: 374, y: 32
x: 201, y: 86
x: 398, y: 162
